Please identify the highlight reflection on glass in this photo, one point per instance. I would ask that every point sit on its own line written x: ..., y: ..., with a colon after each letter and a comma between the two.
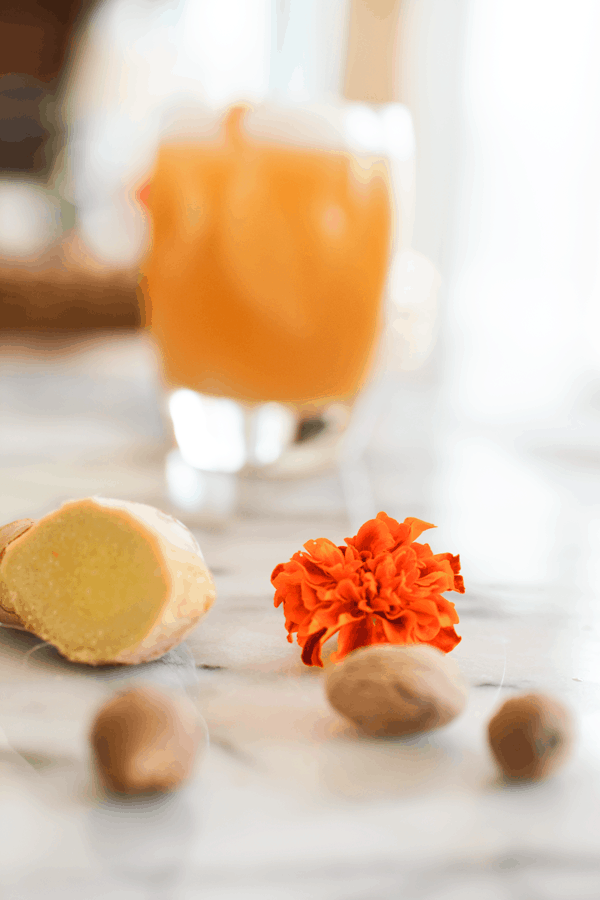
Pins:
x: 218, y: 435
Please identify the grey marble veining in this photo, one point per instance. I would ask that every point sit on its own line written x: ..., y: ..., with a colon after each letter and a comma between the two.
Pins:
x: 289, y: 802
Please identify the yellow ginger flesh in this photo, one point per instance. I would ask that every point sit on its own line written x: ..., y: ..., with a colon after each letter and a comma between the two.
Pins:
x: 103, y: 585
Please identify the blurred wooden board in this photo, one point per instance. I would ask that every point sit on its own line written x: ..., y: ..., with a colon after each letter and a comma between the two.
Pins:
x: 66, y: 289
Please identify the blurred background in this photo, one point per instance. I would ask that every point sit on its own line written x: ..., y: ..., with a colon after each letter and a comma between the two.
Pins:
x: 498, y: 422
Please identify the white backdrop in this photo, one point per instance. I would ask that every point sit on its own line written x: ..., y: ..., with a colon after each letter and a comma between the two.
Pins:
x: 520, y: 352
x: 525, y: 294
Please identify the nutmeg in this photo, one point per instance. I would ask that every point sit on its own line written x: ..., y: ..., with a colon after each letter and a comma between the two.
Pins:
x: 145, y: 740
x: 531, y: 736
x: 391, y: 690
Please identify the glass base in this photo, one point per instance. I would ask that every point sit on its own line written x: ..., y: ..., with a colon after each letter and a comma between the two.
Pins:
x: 211, y: 499
x: 271, y: 460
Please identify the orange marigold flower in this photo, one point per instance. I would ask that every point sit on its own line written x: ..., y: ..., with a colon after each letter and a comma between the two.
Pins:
x: 382, y: 588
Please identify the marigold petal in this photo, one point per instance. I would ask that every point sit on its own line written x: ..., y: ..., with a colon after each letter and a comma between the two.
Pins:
x: 424, y: 606
x: 422, y: 549
x: 293, y: 607
x: 405, y: 532
x: 446, y: 609
x: 453, y: 560
x: 277, y: 571
x: 311, y: 652
x: 401, y: 630
x: 361, y: 633
x: 459, y: 584
x: 317, y: 631
x: 324, y: 551
x: 348, y: 592
x: 370, y: 605
x: 373, y: 537
x: 454, y: 564
x: 436, y: 582
x: 385, y: 570
x: 314, y: 573
x: 411, y: 627
x: 417, y: 527
x: 351, y: 637
x: 310, y: 598
x: 445, y: 640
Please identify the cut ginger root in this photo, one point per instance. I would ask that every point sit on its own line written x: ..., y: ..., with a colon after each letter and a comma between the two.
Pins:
x: 105, y: 581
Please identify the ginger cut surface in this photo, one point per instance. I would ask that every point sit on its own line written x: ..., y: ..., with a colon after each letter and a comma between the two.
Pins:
x: 107, y: 581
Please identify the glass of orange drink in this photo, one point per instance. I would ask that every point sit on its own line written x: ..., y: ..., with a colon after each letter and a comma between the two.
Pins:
x: 263, y: 280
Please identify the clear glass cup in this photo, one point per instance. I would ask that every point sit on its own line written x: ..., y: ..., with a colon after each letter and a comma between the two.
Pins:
x: 276, y: 250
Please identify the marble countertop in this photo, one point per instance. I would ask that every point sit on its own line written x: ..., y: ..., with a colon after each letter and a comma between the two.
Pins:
x: 289, y: 802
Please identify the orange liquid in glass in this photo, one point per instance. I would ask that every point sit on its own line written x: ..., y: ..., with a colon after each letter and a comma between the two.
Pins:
x: 266, y: 268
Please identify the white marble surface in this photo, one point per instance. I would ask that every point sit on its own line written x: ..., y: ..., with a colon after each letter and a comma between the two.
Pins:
x: 288, y: 802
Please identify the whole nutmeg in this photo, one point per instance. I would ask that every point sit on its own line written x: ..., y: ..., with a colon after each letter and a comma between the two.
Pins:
x: 145, y: 740
x: 531, y: 736
x: 390, y: 690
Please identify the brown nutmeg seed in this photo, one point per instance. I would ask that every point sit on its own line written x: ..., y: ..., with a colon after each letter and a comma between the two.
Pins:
x: 387, y: 690
x: 531, y: 736
x: 145, y: 740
